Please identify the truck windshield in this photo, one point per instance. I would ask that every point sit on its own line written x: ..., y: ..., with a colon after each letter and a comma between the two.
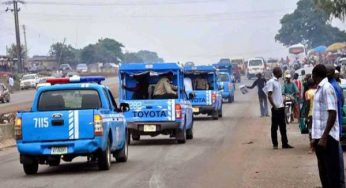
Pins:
x: 223, y: 78
x: 255, y: 63
x: 28, y: 77
x: 77, y: 99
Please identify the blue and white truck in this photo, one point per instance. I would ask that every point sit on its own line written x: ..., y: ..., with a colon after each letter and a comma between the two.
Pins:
x: 226, y: 79
x: 207, y: 93
x: 148, y: 114
x: 73, y: 117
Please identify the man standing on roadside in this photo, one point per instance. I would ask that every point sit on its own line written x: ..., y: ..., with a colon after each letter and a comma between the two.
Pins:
x: 340, y: 98
x: 260, y: 83
x: 325, y: 129
x: 274, y: 91
x: 10, y: 83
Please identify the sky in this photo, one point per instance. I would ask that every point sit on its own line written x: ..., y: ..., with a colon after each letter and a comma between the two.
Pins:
x: 202, y: 31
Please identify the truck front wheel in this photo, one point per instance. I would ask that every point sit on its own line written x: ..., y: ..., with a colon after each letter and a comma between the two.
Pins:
x: 31, y: 169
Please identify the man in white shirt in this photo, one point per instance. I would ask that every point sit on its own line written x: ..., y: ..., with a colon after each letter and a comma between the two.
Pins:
x: 325, y: 129
x: 274, y: 91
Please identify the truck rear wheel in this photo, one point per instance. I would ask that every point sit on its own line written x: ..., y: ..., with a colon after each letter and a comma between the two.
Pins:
x: 121, y: 155
x: 181, y: 135
x: 30, y: 169
x: 105, y: 157
x: 215, y: 115
x: 189, y: 132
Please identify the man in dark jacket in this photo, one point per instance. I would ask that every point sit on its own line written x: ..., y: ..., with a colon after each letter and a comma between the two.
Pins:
x: 260, y: 83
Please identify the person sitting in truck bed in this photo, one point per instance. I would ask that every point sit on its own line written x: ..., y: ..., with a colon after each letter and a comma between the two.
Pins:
x: 140, y: 91
x: 164, y: 89
x: 200, y: 83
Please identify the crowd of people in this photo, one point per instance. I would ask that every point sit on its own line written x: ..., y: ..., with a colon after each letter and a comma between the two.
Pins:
x: 319, y: 99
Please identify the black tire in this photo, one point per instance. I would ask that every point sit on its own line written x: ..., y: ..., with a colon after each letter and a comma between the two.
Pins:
x: 215, y: 115
x: 181, y: 135
x: 135, y: 136
x: 30, y: 169
x: 189, y: 132
x: 55, y: 162
x: 105, y: 158
x: 220, y: 113
x: 121, y: 155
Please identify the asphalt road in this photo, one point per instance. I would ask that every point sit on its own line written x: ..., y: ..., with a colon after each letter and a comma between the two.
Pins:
x: 234, y: 151
x: 25, y: 97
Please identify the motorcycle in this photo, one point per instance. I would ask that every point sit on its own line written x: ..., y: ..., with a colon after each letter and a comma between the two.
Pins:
x: 289, y: 102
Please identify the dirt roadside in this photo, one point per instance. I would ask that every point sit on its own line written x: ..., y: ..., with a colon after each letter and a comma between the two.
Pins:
x: 248, y: 160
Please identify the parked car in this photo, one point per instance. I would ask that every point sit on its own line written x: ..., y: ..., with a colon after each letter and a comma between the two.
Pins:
x: 65, y: 67
x: 82, y: 68
x: 4, y: 94
x: 29, y: 81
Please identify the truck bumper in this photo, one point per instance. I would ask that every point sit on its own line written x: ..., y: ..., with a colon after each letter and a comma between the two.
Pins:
x: 203, y: 109
x: 73, y: 147
x: 160, y: 126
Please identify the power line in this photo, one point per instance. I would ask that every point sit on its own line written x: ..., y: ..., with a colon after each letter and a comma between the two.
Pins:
x: 126, y: 3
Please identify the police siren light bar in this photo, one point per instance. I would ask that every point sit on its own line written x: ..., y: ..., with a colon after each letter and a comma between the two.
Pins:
x: 76, y: 79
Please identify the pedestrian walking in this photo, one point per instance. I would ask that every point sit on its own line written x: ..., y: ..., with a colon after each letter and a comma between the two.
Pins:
x: 10, y: 83
x: 325, y: 129
x: 273, y: 88
x: 340, y: 98
x: 299, y: 85
x: 262, y: 97
x: 309, y: 96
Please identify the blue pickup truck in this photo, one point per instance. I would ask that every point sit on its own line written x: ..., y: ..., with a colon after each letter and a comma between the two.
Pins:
x: 227, y: 83
x: 150, y: 113
x: 73, y: 117
x: 207, y: 93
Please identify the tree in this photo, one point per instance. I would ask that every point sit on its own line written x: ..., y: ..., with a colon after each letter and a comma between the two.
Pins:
x: 310, y: 25
x: 105, y: 51
x: 142, y: 56
x: 12, y: 51
x: 336, y: 8
x: 64, y: 53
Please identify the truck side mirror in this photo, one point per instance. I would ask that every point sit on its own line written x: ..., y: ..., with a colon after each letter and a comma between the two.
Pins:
x: 124, y: 107
x: 192, y: 96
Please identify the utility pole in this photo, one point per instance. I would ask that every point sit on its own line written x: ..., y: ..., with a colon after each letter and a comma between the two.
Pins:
x: 62, y: 48
x: 15, y: 11
x: 25, y: 44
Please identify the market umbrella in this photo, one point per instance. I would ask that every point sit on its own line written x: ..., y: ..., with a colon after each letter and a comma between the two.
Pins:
x: 320, y: 49
x: 336, y: 46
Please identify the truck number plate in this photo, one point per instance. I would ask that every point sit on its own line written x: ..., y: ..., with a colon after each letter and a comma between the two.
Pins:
x: 58, y: 150
x: 149, y: 128
x: 195, y: 109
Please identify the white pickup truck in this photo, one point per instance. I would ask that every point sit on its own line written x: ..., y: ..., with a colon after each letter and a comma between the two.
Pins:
x: 29, y: 81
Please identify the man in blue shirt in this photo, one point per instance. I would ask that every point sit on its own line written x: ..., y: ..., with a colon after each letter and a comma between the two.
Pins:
x: 340, y: 97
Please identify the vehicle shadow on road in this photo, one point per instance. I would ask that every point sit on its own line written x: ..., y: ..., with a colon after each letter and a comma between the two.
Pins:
x: 153, y: 142
x: 69, y: 168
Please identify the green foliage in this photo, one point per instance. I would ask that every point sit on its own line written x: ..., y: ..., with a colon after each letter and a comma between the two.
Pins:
x: 310, y: 25
x: 12, y: 51
x: 64, y: 53
x: 336, y: 8
x: 142, y: 56
x: 105, y: 51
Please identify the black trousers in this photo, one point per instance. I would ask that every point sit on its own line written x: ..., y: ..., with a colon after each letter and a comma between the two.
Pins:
x: 329, y: 163
x: 278, y: 121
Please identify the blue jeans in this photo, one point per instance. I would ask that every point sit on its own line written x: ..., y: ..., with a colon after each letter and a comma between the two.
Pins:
x: 263, y: 105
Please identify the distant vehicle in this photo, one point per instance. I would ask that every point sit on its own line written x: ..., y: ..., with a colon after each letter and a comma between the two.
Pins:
x: 255, y: 66
x: 297, y: 52
x: 29, y: 81
x: 271, y: 63
x: 82, y: 68
x: 75, y: 117
x: 304, y: 71
x: 170, y: 115
x: 226, y: 82
x: 236, y: 72
x: 241, y: 65
x: 65, y: 67
x: 43, y: 82
x: 208, y: 99
x: 4, y: 94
